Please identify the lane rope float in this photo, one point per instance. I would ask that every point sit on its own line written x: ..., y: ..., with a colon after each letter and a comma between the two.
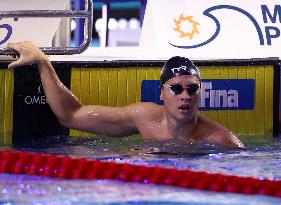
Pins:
x: 17, y: 162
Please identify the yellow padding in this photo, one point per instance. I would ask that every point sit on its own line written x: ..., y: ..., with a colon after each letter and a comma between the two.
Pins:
x: 122, y: 86
x: 109, y: 86
x: 6, y: 106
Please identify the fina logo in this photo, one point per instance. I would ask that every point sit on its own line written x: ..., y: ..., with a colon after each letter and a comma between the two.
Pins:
x: 227, y: 94
x: 218, y: 98
x: 271, y: 32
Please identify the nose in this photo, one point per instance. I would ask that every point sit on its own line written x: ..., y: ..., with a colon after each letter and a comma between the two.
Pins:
x: 184, y: 95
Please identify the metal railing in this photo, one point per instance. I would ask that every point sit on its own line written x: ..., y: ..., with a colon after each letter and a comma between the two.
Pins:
x: 87, y: 14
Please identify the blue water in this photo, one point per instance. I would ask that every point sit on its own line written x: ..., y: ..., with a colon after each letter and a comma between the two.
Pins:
x: 261, y: 159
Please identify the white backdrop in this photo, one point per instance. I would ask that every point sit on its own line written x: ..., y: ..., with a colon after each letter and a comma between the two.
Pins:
x: 203, y: 29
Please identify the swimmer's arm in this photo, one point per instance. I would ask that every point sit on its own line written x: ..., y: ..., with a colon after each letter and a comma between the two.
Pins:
x: 62, y: 102
x: 67, y: 108
x: 111, y: 121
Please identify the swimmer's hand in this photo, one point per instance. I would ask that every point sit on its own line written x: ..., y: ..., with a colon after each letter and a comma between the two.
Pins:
x: 28, y: 54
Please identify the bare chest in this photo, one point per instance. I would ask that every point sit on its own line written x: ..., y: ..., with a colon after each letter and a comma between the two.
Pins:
x: 160, y: 131
x: 153, y: 131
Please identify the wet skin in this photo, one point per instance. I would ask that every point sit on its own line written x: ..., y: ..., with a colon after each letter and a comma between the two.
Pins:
x: 177, y: 119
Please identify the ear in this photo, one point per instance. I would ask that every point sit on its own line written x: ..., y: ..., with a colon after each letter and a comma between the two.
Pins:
x: 161, y: 94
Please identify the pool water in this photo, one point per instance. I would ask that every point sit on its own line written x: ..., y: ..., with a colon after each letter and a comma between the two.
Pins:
x: 261, y: 159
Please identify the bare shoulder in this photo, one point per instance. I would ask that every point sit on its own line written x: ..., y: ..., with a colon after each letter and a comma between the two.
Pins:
x: 218, y: 134
x: 225, y: 137
x: 145, y: 110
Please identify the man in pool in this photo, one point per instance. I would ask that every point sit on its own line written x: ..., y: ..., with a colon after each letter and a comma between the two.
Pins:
x: 178, y: 119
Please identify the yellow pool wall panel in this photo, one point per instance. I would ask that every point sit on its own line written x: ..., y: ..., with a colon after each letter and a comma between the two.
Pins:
x: 122, y: 86
x: 6, y: 106
x: 109, y: 86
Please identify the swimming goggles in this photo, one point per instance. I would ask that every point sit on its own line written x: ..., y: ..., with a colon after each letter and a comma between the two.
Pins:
x: 177, y: 89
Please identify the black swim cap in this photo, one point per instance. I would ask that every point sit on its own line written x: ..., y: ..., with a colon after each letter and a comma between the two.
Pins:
x: 177, y: 66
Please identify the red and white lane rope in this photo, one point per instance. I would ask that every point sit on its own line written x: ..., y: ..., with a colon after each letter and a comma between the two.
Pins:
x: 66, y: 167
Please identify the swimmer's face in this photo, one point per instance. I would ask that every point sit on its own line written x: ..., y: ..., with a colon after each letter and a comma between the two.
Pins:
x: 181, y: 96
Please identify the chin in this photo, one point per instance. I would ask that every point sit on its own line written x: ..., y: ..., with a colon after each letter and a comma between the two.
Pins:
x: 185, y: 118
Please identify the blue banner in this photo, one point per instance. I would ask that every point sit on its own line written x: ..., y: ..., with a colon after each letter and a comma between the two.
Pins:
x: 216, y: 94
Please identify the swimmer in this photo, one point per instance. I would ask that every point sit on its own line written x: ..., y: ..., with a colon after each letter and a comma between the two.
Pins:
x: 178, y: 119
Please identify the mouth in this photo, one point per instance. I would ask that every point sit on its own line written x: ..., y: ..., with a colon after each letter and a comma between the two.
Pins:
x: 184, y: 107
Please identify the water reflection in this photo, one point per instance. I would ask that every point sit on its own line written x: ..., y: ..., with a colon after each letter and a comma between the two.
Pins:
x: 261, y: 159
